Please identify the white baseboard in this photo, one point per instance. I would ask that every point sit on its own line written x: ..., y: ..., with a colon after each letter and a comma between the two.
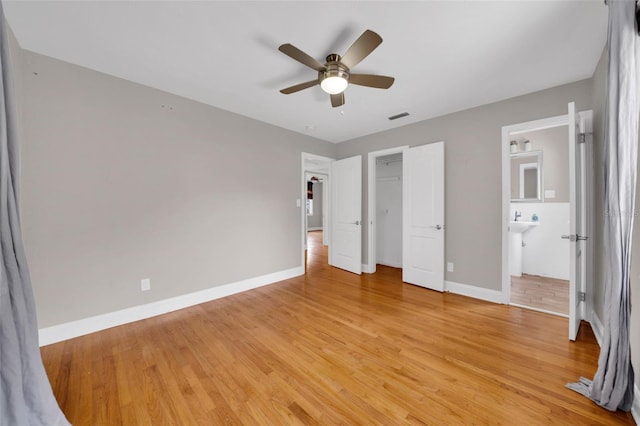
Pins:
x: 473, y: 291
x: 367, y: 270
x: 391, y: 264
x: 84, y: 326
x: 544, y: 311
x: 597, y: 327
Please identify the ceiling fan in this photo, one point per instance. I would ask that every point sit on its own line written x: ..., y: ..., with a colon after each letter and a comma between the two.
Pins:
x: 335, y: 75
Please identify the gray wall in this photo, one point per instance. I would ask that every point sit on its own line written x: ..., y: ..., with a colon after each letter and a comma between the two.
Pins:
x: 555, y: 159
x: 315, y: 220
x: 15, y: 53
x: 123, y: 182
x: 473, y: 173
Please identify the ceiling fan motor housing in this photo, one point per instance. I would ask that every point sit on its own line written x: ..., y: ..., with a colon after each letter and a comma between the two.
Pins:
x: 334, y: 68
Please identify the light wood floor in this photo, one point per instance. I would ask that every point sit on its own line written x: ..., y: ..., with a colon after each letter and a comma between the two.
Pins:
x: 549, y: 294
x: 331, y: 348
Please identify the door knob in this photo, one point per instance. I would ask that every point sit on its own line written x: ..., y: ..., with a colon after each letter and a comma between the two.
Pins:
x: 357, y: 222
x: 438, y: 227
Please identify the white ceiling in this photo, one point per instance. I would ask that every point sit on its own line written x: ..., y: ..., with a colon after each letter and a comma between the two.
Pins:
x: 445, y: 55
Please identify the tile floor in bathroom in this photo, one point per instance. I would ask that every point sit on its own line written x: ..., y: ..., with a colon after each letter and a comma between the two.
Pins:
x: 539, y: 292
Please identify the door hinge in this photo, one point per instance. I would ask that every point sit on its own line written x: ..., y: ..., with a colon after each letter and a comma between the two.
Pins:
x: 582, y: 296
x: 583, y: 138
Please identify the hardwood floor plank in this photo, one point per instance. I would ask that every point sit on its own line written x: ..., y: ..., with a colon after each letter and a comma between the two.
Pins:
x: 331, y: 347
x: 550, y: 294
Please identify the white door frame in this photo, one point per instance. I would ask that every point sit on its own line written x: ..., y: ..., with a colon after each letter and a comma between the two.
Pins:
x: 370, y: 267
x: 529, y: 126
x: 303, y: 196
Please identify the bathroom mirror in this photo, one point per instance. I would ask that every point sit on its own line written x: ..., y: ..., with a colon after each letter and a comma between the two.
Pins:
x: 526, y: 176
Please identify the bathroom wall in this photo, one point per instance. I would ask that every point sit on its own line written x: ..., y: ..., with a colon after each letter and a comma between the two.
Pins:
x: 555, y: 159
x: 389, y: 210
x: 545, y: 253
x: 314, y: 221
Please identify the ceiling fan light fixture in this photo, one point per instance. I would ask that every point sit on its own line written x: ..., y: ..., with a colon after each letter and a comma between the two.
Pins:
x: 334, y: 79
x: 334, y: 84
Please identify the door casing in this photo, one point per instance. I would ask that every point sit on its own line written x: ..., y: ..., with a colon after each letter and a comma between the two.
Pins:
x: 585, y: 118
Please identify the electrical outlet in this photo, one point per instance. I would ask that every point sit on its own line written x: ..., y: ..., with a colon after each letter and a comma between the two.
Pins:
x: 145, y: 284
x: 449, y: 266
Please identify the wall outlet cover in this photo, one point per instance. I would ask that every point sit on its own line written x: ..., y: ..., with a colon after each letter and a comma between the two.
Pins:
x: 449, y: 266
x: 145, y: 284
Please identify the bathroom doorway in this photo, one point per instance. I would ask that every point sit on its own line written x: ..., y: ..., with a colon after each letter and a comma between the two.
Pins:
x: 547, y: 195
x: 540, y: 266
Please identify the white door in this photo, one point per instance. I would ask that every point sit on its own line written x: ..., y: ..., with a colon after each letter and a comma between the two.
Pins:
x: 423, y: 216
x: 345, y: 250
x: 577, y: 226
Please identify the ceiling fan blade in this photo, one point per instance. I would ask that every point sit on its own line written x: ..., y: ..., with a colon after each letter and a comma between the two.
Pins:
x: 300, y: 56
x: 337, y: 100
x: 361, y: 48
x: 299, y: 87
x: 370, y: 80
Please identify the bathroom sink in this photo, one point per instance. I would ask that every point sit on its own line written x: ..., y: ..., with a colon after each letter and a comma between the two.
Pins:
x: 521, y: 227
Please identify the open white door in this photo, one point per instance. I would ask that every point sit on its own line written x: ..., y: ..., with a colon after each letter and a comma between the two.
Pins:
x: 577, y: 192
x: 423, y: 216
x: 345, y: 250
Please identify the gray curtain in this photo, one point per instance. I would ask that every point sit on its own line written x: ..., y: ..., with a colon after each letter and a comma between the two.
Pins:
x: 612, y: 386
x: 25, y: 393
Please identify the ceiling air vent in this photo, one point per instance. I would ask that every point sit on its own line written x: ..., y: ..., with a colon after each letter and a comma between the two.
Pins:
x: 395, y: 117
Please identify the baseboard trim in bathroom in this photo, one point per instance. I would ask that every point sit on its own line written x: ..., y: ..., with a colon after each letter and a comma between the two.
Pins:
x: 544, y: 311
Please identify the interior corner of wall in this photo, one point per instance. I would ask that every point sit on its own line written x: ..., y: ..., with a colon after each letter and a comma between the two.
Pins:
x: 635, y: 408
x: 597, y: 327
